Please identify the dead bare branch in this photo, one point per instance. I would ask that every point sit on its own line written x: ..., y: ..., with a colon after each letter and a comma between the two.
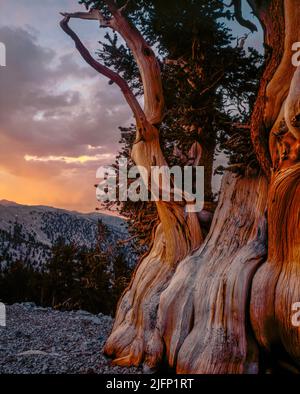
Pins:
x: 100, y: 68
x: 146, y: 60
x: 93, y: 14
x: 239, y: 16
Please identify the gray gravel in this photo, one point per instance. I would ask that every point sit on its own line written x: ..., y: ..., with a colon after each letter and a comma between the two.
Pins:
x: 46, y: 341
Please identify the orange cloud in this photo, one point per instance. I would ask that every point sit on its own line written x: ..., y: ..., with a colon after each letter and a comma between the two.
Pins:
x: 69, y: 160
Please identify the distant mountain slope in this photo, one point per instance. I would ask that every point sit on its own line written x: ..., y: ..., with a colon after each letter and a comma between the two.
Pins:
x: 28, y: 232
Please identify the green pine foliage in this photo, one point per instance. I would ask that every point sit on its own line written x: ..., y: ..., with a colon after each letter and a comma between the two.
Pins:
x: 210, y: 82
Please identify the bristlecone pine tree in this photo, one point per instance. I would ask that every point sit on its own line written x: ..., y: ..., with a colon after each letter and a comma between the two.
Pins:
x: 210, y: 83
x: 217, y: 304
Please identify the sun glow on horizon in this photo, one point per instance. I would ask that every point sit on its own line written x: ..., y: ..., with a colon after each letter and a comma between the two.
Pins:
x: 69, y: 159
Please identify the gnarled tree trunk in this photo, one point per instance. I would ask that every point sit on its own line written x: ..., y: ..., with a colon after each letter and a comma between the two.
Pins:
x: 276, y: 285
x: 202, y: 317
x: 189, y: 300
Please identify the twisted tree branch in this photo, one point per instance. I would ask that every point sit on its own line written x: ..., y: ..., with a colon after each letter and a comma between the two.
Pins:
x: 100, y: 68
x: 147, y: 62
x: 93, y: 14
x: 239, y: 16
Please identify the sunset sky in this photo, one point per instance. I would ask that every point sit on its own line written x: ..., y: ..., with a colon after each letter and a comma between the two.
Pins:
x: 58, y: 118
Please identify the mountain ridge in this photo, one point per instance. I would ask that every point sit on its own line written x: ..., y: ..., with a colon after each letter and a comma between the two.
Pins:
x: 5, y: 202
x: 28, y: 232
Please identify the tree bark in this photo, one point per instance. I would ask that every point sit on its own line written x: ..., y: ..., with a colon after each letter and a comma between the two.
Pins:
x: 210, y: 307
x: 207, y: 160
x: 276, y: 284
x: 178, y: 233
x: 202, y: 316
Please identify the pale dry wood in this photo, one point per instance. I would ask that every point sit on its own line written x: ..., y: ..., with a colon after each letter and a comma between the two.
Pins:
x: 178, y: 233
x: 202, y: 316
x: 147, y: 63
x: 100, y: 68
x: 191, y: 306
x: 203, y: 323
x: 279, y: 86
x: 276, y: 285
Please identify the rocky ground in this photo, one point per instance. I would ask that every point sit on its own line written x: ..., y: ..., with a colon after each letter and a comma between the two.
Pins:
x: 46, y: 341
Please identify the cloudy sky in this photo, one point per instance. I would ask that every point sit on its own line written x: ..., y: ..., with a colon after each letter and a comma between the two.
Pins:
x: 58, y: 118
